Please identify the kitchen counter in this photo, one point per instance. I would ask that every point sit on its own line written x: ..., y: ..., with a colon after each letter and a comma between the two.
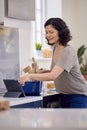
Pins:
x: 47, y: 99
x: 29, y: 119
x: 22, y: 100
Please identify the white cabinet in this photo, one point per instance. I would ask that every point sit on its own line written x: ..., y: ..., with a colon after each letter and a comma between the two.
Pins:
x: 20, y: 9
x: 1, y: 11
x: 19, y: 13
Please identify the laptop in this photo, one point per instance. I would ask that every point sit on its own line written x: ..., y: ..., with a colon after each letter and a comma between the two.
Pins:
x: 14, y: 89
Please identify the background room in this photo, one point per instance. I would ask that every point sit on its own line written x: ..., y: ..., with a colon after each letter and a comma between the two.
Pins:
x: 30, y: 30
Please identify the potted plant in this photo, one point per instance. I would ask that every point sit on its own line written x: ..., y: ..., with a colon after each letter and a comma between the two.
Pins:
x: 83, y: 66
x: 38, y: 47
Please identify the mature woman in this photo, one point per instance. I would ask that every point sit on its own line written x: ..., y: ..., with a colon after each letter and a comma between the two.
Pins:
x: 65, y: 70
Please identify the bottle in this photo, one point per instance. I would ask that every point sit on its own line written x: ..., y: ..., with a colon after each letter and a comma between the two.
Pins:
x: 46, y: 51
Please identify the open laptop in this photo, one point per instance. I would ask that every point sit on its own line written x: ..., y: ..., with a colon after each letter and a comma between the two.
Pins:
x: 14, y: 89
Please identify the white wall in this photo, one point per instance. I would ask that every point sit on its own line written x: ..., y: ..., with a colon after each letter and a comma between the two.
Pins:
x: 15, y: 23
x: 53, y: 8
x: 82, y: 21
x: 74, y: 13
x: 25, y: 45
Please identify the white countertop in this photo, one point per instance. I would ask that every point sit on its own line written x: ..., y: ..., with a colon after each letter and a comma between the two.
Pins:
x: 57, y: 119
x: 27, y: 99
x: 22, y: 100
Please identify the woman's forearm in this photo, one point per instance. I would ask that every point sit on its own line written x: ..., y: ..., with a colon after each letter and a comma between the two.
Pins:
x: 50, y: 76
x: 41, y: 77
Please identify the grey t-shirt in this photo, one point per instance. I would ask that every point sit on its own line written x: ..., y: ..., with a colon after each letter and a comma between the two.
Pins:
x: 70, y: 81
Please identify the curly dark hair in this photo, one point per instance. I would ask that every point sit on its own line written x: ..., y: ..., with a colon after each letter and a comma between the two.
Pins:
x: 62, y: 28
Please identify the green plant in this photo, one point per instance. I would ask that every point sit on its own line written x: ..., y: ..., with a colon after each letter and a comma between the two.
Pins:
x: 83, y: 69
x: 38, y: 46
x: 80, y: 53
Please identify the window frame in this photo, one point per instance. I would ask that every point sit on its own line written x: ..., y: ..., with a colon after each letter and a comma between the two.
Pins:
x: 42, y: 20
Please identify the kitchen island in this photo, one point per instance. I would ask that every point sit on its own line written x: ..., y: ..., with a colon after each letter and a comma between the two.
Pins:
x: 46, y: 100
x: 41, y: 119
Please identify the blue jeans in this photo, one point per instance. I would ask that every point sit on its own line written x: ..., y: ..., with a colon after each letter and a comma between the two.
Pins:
x: 73, y: 101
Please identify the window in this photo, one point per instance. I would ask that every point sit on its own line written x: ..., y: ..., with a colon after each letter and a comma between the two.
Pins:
x: 40, y: 17
x: 38, y: 25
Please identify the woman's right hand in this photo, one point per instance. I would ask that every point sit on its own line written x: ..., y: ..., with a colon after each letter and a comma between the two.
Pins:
x: 23, y: 79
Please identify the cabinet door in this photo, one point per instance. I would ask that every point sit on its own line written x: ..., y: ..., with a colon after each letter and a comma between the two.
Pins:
x: 1, y: 11
x: 36, y: 104
x: 51, y: 101
x: 20, y: 9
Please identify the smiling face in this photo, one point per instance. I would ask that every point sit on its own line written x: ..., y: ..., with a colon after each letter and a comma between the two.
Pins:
x: 51, y: 35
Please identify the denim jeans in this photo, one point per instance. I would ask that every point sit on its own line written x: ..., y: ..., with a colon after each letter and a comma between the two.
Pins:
x: 73, y: 101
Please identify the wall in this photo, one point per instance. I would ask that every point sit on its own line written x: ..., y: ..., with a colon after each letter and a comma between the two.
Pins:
x: 82, y: 21
x: 53, y: 8
x: 73, y: 12
x: 25, y: 45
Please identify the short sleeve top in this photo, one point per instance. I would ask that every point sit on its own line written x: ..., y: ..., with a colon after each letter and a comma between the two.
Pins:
x: 71, y: 80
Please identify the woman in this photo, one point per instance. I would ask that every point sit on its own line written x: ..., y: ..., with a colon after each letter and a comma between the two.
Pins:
x: 65, y: 70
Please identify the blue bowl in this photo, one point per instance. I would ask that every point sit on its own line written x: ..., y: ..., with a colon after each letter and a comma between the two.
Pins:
x: 32, y: 88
